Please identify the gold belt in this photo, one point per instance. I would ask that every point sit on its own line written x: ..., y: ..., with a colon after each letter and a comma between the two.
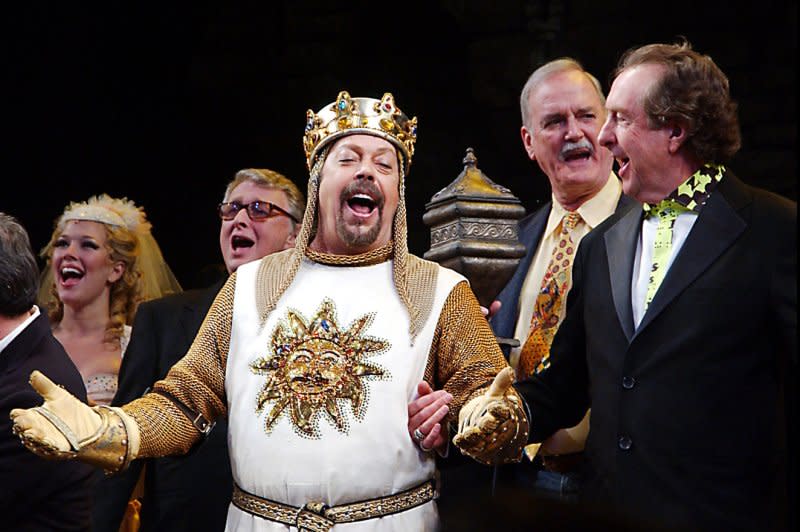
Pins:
x: 318, y: 517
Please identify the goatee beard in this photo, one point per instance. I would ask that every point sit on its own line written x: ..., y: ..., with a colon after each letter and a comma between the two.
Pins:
x: 352, y: 237
x: 357, y: 239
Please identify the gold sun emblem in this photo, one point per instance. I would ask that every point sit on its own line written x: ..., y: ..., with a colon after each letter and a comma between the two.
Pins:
x: 316, y: 367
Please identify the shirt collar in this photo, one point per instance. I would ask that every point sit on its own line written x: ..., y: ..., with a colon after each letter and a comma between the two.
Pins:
x: 594, y: 210
x: 34, y: 313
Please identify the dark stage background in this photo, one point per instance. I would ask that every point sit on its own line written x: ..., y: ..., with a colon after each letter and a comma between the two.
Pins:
x: 163, y: 103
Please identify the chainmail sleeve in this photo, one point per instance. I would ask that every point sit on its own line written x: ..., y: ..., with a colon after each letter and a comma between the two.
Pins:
x: 464, y: 356
x: 464, y: 360
x: 197, y: 380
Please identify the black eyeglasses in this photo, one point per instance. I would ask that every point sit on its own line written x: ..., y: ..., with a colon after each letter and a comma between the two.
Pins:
x: 257, y: 210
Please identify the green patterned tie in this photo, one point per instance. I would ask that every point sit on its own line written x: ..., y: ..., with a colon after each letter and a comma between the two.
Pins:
x: 667, y: 212
x: 691, y: 195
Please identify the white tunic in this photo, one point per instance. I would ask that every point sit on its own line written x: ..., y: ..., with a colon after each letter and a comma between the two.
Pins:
x: 367, y: 457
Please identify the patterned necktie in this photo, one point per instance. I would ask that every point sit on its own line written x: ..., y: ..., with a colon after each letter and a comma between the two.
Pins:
x: 535, y: 353
x: 667, y: 212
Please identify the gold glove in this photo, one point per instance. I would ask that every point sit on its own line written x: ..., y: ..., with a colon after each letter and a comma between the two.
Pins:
x: 493, y: 428
x: 64, y: 428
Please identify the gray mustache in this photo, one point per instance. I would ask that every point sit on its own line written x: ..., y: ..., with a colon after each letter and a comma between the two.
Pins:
x: 581, y: 144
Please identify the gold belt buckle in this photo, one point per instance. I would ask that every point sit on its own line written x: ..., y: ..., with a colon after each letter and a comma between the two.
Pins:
x: 311, y: 517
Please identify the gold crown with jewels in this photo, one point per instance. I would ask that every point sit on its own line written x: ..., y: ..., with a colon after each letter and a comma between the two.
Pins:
x: 347, y: 116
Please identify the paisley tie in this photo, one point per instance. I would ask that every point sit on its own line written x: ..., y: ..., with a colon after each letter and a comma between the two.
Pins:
x: 534, y: 356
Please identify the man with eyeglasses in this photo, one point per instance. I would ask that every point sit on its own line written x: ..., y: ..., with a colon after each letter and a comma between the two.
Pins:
x: 314, y: 354
x: 260, y: 214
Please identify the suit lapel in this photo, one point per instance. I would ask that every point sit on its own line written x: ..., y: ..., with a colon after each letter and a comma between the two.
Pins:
x: 505, y: 321
x: 620, y: 242
x: 715, y: 230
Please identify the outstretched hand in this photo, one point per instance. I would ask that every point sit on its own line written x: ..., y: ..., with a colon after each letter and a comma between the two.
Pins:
x: 425, y: 416
x: 475, y: 411
x: 38, y: 427
x: 487, y: 422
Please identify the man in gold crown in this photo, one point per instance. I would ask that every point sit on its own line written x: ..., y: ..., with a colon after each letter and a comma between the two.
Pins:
x: 315, y: 353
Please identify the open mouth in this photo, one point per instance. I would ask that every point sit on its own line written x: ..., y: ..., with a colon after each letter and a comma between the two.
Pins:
x: 577, y: 154
x: 362, y: 204
x: 241, y: 242
x: 622, y: 162
x: 70, y: 275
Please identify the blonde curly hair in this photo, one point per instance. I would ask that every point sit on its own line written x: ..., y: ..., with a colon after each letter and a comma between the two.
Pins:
x: 130, y: 241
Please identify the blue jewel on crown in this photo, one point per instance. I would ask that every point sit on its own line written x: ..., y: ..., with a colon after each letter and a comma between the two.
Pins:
x: 344, y: 105
x: 311, y: 120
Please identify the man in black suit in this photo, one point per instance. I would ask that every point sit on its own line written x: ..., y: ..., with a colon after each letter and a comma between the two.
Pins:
x: 683, y: 314
x: 35, y: 495
x: 261, y: 213
x: 562, y: 113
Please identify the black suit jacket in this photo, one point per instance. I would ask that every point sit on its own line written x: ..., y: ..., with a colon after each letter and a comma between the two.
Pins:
x: 465, y: 481
x: 181, y: 493
x: 38, y: 494
x: 686, y: 426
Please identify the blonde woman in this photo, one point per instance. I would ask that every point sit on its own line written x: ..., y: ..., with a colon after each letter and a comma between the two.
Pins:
x: 102, y: 261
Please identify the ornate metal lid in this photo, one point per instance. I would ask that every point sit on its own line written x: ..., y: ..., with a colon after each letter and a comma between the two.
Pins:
x: 474, y: 230
x: 472, y: 184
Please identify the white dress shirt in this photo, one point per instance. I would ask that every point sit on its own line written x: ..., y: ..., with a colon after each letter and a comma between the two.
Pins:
x: 643, y: 262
